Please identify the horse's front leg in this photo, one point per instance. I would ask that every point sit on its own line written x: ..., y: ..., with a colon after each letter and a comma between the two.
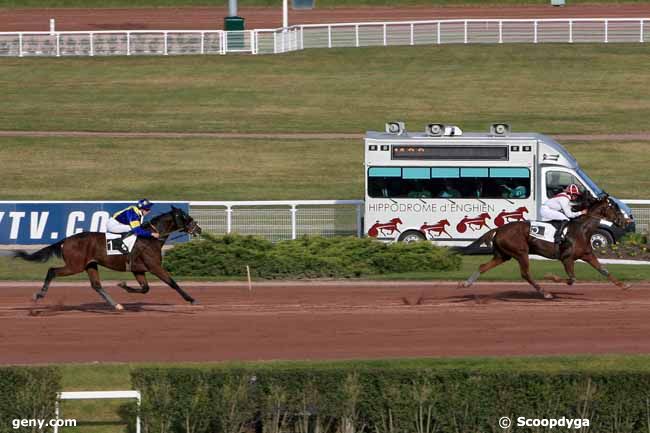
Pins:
x: 141, y: 279
x: 569, y: 269
x: 593, y: 261
x: 165, y: 276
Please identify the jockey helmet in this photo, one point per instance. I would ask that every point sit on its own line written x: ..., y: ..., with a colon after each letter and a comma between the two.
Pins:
x: 572, y: 189
x: 144, y: 204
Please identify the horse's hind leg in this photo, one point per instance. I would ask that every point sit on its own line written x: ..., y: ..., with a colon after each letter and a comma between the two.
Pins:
x: 93, y: 275
x: 593, y: 261
x: 63, y: 271
x: 496, y: 261
x: 141, y: 279
x: 524, y: 267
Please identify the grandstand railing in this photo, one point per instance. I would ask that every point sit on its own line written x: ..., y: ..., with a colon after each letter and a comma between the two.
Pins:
x: 362, y: 34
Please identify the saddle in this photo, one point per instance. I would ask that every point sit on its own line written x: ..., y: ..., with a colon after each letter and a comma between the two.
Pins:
x: 118, y: 244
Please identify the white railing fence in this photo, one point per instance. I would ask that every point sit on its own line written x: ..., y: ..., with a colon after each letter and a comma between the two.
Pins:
x: 279, y: 220
x: 97, y: 395
x: 273, y: 41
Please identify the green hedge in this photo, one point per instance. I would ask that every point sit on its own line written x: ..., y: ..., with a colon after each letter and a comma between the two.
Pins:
x: 366, y: 398
x: 308, y: 257
x: 27, y: 393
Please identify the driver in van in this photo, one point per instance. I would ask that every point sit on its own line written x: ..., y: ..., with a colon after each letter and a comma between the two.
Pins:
x: 558, y: 209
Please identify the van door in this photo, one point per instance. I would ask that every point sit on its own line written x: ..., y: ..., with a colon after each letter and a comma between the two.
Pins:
x: 555, y: 179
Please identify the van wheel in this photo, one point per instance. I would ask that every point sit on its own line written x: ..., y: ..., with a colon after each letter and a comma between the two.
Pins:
x: 601, y: 239
x: 411, y: 236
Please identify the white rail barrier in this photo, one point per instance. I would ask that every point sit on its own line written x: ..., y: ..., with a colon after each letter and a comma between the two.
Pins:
x: 278, y: 220
x: 97, y: 395
x: 361, y: 34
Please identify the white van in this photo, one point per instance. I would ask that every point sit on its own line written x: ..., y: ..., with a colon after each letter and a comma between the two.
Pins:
x: 451, y: 187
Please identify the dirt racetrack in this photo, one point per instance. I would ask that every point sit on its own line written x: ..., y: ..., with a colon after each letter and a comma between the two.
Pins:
x: 211, y: 18
x: 320, y: 320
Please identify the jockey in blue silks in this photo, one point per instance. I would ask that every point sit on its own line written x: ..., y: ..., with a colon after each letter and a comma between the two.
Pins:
x: 130, y: 220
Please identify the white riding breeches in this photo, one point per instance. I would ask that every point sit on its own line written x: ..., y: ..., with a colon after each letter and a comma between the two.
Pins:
x: 548, y: 214
x: 114, y: 226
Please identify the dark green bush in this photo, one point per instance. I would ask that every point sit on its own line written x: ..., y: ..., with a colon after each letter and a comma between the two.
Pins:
x: 27, y: 393
x: 308, y: 257
x: 387, y: 399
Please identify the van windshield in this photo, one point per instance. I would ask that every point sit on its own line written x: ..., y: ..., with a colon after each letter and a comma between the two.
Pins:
x: 595, y: 188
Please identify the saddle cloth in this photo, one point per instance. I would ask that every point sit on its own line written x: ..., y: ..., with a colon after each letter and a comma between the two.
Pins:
x: 116, y: 246
x: 543, y: 230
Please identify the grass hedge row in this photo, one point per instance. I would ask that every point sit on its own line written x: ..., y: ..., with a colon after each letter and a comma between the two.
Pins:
x: 367, y: 398
x: 27, y: 393
x: 308, y: 257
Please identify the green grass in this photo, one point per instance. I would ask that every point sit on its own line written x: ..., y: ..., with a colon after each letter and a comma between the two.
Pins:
x: 108, y: 417
x: 554, y: 88
x: 12, y: 269
x: 273, y: 3
x: 239, y: 169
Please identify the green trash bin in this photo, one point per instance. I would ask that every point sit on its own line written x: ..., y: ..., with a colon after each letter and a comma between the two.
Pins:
x: 234, y: 25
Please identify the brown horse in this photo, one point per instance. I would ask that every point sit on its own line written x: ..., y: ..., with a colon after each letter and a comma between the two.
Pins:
x: 84, y: 251
x: 514, y: 240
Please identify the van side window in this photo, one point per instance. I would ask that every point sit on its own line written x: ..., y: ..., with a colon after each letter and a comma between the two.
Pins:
x: 556, y: 181
x: 449, y: 182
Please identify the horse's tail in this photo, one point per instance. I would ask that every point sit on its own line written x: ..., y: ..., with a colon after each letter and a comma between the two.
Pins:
x: 475, y: 247
x: 42, y: 255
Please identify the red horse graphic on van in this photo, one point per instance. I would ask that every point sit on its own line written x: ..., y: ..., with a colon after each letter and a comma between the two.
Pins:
x: 437, y: 228
x: 507, y: 217
x: 476, y: 223
x: 385, y: 228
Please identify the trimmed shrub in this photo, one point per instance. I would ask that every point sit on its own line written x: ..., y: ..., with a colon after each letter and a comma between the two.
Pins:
x: 27, y: 393
x: 307, y: 257
x: 364, y: 398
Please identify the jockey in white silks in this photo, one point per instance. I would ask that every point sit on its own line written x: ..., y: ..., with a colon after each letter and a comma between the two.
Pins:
x: 558, y: 208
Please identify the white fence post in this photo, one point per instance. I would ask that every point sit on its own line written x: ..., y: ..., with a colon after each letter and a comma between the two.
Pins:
x: 165, y: 44
x: 641, y: 36
x: 329, y: 36
x: 128, y: 43
x: 606, y: 31
x: 229, y: 219
x: 356, y: 35
x: 412, y: 34
x: 92, y: 45
x: 202, y: 42
x: 535, y: 33
x: 385, y: 34
x: 500, y: 31
x: 570, y: 31
x: 302, y: 37
x: 465, y: 36
x: 58, y: 44
x: 20, y: 44
x: 439, y: 24
x: 293, y: 221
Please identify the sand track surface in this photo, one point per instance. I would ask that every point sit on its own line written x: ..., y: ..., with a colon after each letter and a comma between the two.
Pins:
x: 320, y: 320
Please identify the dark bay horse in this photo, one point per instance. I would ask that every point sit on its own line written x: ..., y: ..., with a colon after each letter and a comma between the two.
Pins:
x: 84, y: 251
x: 513, y: 240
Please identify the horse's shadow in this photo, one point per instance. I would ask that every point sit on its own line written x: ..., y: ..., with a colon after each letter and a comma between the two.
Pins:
x: 516, y: 296
x: 102, y: 308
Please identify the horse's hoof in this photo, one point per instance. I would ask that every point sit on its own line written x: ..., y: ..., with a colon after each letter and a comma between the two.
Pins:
x: 548, y: 296
x: 626, y: 286
x: 195, y: 302
x: 122, y: 284
x: 119, y: 307
x: 36, y: 297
